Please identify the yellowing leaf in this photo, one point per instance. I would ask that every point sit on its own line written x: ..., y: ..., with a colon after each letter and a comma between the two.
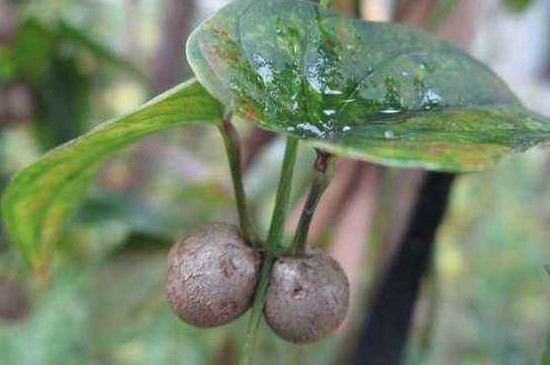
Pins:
x: 39, y: 198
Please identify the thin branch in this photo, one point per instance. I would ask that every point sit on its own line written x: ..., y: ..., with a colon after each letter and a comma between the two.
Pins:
x: 323, y: 171
x: 233, y: 151
x: 280, y: 211
x: 272, y: 246
x: 253, y: 145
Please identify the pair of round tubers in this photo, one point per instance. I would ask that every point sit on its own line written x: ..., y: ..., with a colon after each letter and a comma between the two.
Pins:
x: 212, y: 277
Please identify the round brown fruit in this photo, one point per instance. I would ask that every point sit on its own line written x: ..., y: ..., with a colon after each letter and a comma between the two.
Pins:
x: 211, y: 275
x: 307, y: 298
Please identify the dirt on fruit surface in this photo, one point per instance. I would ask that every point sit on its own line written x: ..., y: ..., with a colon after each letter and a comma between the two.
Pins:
x: 211, y: 276
x: 308, y: 297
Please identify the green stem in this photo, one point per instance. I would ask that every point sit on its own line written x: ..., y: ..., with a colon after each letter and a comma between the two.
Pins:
x: 276, y: 230
x: 321, y: 180
x: 233, y: 151
x: 257, y: 311
x: 273, y: 243
x: 326, y: 3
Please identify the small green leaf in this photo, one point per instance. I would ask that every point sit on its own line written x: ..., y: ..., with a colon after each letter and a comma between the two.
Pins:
x: 40, y: 197
x: 374, y: 91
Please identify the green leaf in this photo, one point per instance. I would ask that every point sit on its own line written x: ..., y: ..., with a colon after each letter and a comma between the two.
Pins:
x: 374, y: 91
x: 452, y: 139
x: 40, y: 197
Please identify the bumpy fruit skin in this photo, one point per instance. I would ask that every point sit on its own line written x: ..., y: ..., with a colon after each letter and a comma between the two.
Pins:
x: 307, y: 298
x: 211, y: 276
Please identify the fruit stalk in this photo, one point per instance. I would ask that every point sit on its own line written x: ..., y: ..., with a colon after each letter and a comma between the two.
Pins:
x: 280, y: 211
x: 273, y: 243
x: 323, y: 171
x: 233, y: 151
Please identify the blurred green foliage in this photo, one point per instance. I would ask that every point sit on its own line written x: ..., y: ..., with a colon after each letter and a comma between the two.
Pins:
x: 108, y: 305
x: 105, y: 303
x: 59, y: 63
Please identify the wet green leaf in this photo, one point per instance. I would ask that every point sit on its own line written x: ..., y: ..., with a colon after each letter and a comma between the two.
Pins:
x: 374, y: 91
x: 40, y: 197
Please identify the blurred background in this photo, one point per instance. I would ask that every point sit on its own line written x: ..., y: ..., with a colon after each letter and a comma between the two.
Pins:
x: 66, y: 65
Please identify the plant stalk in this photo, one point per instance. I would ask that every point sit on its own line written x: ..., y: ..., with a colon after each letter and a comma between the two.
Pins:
x: 280, y: 211
x: 323, y: 172
x: 233, y: 151
x: 272, y: 245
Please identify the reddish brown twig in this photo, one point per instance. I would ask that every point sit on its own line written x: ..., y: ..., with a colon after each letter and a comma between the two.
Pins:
x: 254, y: 144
